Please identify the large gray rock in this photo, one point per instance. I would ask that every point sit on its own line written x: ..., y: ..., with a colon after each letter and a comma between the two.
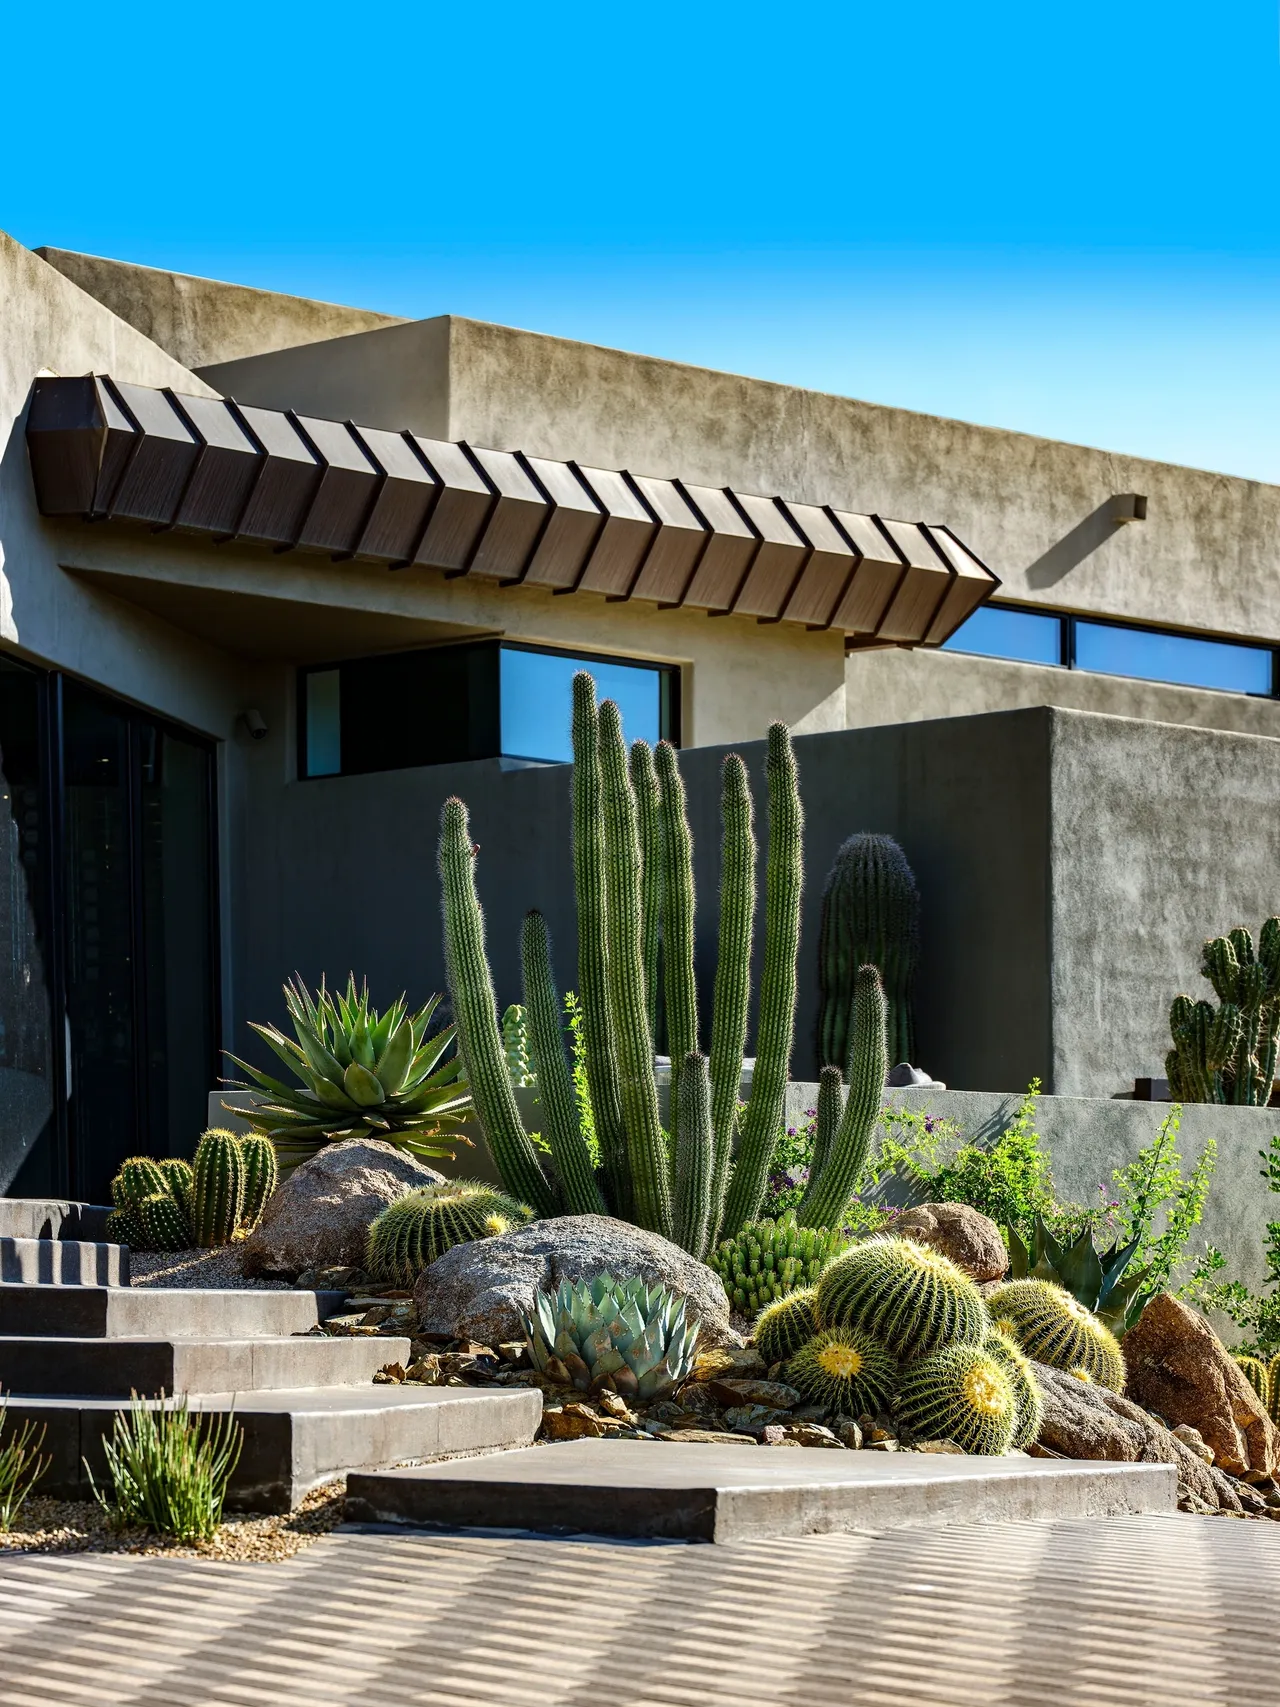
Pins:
x: 319, y: 1216
x: 478, y: 1291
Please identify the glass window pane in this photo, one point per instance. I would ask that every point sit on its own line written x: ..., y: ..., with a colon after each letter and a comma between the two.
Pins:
x: 324, y: 727
x: 1172, y: 658
x: 994, y: 632
x: 537, y: 702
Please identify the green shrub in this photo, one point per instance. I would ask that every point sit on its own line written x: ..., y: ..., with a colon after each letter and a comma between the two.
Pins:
x: 21, y: 1466
x: 169, y: 1470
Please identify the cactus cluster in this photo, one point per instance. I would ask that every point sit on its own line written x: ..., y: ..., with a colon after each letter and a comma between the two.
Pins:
x: 1227, y: 1054
x: 173, y: 1205
x: 870, y: 917
x: 611, y: 1334
x: 783, y: 1326
x: 704, y: 1179
x: 768, y: 1259
x: 413, y: 1231
x: 909, y: 1296
x: 1054, y: 1328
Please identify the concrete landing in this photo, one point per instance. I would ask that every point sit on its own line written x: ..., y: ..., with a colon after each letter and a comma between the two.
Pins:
x: 62, y: 1262
x: 124, y: 1312
x: 106, y: 1368
x: 722, y: 1493
x: 295, y: 1439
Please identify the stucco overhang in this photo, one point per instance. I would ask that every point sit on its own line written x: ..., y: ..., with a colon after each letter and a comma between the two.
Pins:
x: 105, y: 450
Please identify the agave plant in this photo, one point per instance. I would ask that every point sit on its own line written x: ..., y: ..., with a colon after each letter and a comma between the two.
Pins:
x: 1096, y: 1279
x: 363, y: 1074
x: 619, y: 1334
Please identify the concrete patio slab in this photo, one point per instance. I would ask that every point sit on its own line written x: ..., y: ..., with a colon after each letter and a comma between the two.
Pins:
x: 714, y: 1493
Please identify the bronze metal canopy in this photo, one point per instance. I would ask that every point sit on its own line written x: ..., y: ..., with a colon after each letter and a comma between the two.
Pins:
x: 101, y: 449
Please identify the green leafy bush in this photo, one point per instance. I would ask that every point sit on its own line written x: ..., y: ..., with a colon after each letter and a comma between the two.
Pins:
x: 1257, y: 1314
x: 169, y: 1470
x: 21, y: 1466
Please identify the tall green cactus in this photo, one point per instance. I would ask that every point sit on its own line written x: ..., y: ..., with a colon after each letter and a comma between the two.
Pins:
x: 1228, y: 1054
x: 261, y: 1174
x: 644, y: 785
x: 475, y: 1010
x: 679, y: 986
x: 628, y: 1006
x: 561, y: 1126
x: 593, y: 941
x: 834, y: 1179
x: 870, y: 917
x: 775, y: 1029
x: 830, y: 1107
x: 217, y: 1198
x: 694, y: 1157
x: 733, y: 969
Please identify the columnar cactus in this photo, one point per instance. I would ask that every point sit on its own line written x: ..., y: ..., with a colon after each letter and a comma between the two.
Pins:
x: 783, y: 1326
x: 733, y: 969
x: 261, y: 1175
x: 644, y: 785
x: 694, y: 1156
x: 870, y: 917
x: 845, y: 1370
x: 180, y: 1179
x: 561, y: 1126
x: 164, y: 1223
x: 962, y: 1394
x: 828, y: 1112
x: 833, y: 1183
x: 515, y: 1046
x: 1228, y: 1054
x: 412, y: 1232
x: 1055, y: 1328
x: 1258, y: 1376
x: 679, y: 986
x: 139, y: 1177
x: 909, y: 1296
x: 217, y: 1205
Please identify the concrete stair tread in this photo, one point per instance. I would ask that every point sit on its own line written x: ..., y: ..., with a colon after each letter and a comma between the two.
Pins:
x: 62, y: 1262
x: 155, y: 1312
x: 710, y: 1492
x: 64, y: 1365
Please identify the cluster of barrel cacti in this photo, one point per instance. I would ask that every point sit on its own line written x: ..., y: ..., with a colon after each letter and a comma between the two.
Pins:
x: 705, y: 1177
x: 870, y: 917
x: 893, y: 1327
x: 767, y: 1259
x: 413, y: 1231
x: 1228, y: 1054
x: 1264, y: 1377
x: 174, y: 1205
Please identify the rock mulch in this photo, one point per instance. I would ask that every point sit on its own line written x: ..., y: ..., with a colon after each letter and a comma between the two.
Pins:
x: 81, y: 1526
x: 218, y: 1269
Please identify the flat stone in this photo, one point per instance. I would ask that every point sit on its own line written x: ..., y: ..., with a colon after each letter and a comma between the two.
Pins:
x: 742, y: 1390
x: 720, y: 1492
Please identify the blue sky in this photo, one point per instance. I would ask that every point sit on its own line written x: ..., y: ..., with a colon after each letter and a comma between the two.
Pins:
x: 1060, y: 220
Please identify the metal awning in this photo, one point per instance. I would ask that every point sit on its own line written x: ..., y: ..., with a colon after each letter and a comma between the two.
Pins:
x: 104, y: 450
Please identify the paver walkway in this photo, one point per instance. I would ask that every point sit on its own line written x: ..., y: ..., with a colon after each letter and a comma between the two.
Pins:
x: 1160, y: 1610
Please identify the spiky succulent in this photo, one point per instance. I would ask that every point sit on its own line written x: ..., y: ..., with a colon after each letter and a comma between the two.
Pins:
x: 138, y: 1177
x: 608, y: 1333
x: 1100, y: 1280
x: 164, y: 1223
x: 768, y: 1259
x: 179, y: 1178
x: 515, y: 1046
x: 1257, y: 1374
x: 124, y: 1227
x: 908, y: 1296
x: 783, y: 1326
x: 1026, y: 1389
x: 1055, y: 1328
x: 363, y: 1074
x: 412, y: 1232
x: 962, y: 1394
x: 845, y: 1370
x: 261, y: 1174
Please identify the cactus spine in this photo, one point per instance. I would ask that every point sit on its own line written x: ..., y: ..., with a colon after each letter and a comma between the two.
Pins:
x: 775, y: 1030
x: 163, y: 1222
x: 180, y: 1180
x: 476, y: 1012
x: 870, y: 917
x: 844, y: 1369
x: 413, y: 1231
x: 908, y: 1296
x: 555, y: 1087
x: 694, y: 1157
x: 733, y: 969
x: 1054, y: 1328
x: 261, y: 1175
x: 1228, y: 1054
x: 217, y: 1205
x: 644, y: 785
x: 783, y: 1326
x: 962, y: 1394
x: 624, y: 973
x: 834, y: 1183
x: 593, y: 941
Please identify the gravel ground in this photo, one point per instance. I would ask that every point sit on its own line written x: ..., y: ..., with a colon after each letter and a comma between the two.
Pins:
x: 81, y: 1526
x: 218, y: 1269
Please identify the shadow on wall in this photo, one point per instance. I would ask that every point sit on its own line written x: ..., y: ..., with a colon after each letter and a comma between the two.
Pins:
x: 1085, y: 537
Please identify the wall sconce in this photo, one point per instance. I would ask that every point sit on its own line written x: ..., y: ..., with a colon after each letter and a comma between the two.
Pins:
x: 1128, y: 507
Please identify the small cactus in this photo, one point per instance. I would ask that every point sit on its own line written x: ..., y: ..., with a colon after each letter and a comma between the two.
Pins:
x: 1026, y: 1389
x: 1054, y: 1328
x: 138, y: 1177
x: 124, y: 1227
x: 1257, y: 1374
x: 910, y: 1297
x: 1273, y: 1389
x: 768, y: 1259
x: 179, y: 1179
x: 845, y: 1370
x: 962, y: 1394
x: 411, y: 1233
x: 261, y: 1175
x: 165, y: 1223
x: 217, y: 1207
x: 783, y: 1326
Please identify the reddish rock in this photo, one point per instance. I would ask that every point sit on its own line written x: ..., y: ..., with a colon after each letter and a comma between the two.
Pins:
x: 972, y: 1241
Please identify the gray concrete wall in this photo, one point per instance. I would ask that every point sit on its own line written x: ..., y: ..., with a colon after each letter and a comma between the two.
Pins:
x: 203, y: 320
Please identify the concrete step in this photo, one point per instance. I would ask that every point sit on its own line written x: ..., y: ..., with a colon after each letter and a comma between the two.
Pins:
x: 52, y: 1218
x: 712, y: 1492
x: 109, y: 1367
x: 144, y: 1312
x: 296, y: 1438
x: 62, y: 1262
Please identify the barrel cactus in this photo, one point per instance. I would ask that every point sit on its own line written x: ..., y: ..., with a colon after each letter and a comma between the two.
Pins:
x: 411, y: 1233
x: 962, y: 1394
x: 217, y: 1204
x: 124, y: 1227
x: 138, y: 1177
x: 910, y: 1297
x: 768, y: 1259
x: 607, y: 1333
x: 1257, y: 1374
x: 870, y: 917
x: 1026, y: 1389
x: 261, y: 1175
x: 783, y: 1326
x: 165, y: 1223
x: 1055, y: 1328
x: 845, y: 1370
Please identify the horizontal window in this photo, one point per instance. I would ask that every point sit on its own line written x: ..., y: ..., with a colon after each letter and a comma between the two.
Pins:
x: 448, y: 704
x: 1116, y: 649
